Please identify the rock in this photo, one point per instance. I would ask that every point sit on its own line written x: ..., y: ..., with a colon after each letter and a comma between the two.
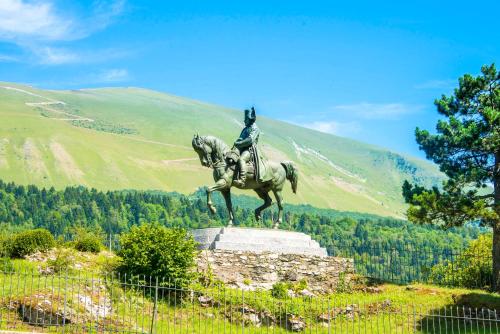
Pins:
x: 205, y: 301
x: 271, y: 277
x: 45, y: 310
x: 291, y: 293
x: 350, y: 311
x: 267, y: 318
x: 252, y: 319
x: 245, y: 287
x: 45, y: 270
x: 266, y: 268
x: 245, y: 309
x: 295, y: 323
x: 307, y: 293
x: 101, y: 309
x: 372, y: 289
x: 292, y: 276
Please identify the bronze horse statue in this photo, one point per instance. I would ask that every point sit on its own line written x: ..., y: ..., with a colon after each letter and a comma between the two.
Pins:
x: 215, y: 154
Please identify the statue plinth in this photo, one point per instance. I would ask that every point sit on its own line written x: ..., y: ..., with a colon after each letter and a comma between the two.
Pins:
x: 257, y: 240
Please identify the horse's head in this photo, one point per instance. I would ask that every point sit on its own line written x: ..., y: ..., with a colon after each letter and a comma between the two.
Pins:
x: 204, y: 150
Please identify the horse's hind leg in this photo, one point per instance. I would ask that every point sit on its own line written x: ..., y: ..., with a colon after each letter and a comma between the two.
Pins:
x: 267, y: 203
x: 279, y: 200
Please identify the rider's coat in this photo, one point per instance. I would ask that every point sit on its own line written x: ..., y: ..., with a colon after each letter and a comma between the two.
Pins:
x: 248, y: 140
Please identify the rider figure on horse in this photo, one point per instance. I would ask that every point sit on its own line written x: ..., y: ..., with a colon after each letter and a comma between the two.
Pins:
x: 247, y: 141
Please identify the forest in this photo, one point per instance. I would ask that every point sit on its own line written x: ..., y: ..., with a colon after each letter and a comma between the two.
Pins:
x: 112, y: 212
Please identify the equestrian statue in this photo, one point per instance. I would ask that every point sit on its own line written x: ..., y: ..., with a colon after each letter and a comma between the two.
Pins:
x: 245, y: 167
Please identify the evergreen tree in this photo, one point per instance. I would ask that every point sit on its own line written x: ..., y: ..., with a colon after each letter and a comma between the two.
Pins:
x: 467, y: 149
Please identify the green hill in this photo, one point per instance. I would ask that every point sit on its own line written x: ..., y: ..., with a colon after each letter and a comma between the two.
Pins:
x: 131, y: 138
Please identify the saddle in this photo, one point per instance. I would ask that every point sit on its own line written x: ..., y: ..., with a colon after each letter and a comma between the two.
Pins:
x: 232, y: 158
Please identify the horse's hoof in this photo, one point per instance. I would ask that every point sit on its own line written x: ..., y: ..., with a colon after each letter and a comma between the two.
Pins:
x: 277, y: 224
x: 230, y: 223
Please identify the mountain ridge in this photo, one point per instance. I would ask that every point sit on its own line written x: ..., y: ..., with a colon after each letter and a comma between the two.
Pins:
x: 116, y: 138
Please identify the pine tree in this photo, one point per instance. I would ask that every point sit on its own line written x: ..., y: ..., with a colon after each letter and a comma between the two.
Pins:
x: 467, y: 149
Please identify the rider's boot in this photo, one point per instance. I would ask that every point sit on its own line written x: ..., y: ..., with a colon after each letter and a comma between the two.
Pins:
x: 240, y: 182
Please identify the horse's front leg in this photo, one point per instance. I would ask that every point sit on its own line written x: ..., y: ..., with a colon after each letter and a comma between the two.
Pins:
x: 218, y: 186
x: 227, y: 197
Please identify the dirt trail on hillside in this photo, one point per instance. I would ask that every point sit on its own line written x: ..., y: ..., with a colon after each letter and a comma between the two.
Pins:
x: 46, y: 105
x: 72, y: 117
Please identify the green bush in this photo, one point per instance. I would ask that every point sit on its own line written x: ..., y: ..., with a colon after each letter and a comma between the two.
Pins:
x: 280, y: 290
x: 154, y: 250
x: 62, y: 262
x: 32, y: 241
x: 473, y: 268
x: 88, y: 243
x: 6, y: 246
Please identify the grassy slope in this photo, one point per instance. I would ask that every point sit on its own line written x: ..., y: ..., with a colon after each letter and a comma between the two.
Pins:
x: 36, y: 146
x: 416, y: 308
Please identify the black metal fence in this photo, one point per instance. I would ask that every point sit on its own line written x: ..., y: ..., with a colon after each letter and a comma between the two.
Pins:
x: 33, y: 302
x: 402, y: 263
x: 409, y: 264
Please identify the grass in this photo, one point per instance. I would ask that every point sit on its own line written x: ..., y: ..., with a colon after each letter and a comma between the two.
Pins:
x: 394, y: 308
x: 336, y: 172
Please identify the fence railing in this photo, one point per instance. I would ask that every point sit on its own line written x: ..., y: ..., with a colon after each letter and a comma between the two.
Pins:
x: 407, y: 264
x: 403, y: 264
x: 33, y: 302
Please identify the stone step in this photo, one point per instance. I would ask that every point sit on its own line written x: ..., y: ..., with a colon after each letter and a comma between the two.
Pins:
x: 266, y: 240
x: 206, y: 235
x: 257, y: 240
x: 256, y: 232
x: 259, y: 248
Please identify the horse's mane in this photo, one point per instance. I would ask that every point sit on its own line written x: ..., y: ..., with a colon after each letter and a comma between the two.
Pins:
x: 217, y: 144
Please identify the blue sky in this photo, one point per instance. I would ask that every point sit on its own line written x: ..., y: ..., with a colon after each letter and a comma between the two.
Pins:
x: 368, y: 70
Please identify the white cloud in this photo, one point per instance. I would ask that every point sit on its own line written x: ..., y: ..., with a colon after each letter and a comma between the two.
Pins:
x: 20, y: 20
x: 7, y: 58
x: 37, y: 26
x: 55, y: 56
x: 59, y: 56
x: 334, y: 127
x: 388, y: 111
x: 112, y: 76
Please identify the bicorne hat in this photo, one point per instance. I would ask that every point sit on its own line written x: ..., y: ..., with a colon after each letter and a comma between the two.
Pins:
x: 250, y: 114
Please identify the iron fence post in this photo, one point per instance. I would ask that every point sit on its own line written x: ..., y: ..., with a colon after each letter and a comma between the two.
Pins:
x: 155, y: 309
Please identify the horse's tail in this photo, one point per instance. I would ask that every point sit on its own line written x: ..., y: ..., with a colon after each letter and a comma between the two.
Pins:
x: 292, y: 174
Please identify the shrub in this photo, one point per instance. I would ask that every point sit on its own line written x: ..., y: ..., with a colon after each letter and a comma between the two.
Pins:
x: 154, y: 250
x: 299, y: 286
x: 108, y: 265
x: 32, y: 241
x: 471, y: 269
x: 6, y: 265
x: 62, y: 261
x: 6, y: 245
x: 88, y: 243
x: 280, y: 290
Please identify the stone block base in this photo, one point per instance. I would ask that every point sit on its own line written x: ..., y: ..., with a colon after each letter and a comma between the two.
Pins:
x: 260, y: 270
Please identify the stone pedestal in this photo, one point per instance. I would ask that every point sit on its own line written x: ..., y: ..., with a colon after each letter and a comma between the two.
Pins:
x: 251, y: 258
x: 257, y: 240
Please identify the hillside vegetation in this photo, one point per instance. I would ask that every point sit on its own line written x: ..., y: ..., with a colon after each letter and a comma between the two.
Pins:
x: 131, y: 138
x: 61, y: 211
